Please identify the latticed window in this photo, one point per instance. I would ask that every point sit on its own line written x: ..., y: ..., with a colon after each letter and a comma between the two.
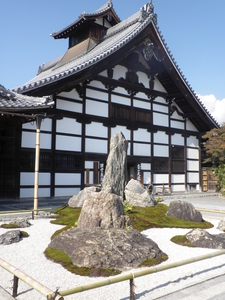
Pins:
x: 64, y: 161
x: 178, y: 162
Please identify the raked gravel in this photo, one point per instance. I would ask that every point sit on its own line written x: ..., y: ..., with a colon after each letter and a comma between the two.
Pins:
x: 28, y: 257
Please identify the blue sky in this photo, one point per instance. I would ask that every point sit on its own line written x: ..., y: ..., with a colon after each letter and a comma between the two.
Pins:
x: 194, y: 31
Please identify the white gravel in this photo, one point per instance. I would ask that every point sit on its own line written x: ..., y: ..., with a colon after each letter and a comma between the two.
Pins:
x: 27, y: 256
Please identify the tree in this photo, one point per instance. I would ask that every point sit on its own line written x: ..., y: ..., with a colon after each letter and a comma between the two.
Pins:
x: 215, y: 150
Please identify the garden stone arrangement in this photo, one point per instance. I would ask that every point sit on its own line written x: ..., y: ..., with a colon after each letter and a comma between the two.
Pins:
x: 104, y: 237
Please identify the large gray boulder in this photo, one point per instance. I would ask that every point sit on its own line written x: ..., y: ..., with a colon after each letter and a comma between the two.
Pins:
x: 10, y: 237
x: 104, y: 210
x: 201, y: 238
x: 114, y: 179
x: 20, y: 222
x: 78, y: 200
x: 106, y: 248
x: 184, y: 211
x: 137, y: 195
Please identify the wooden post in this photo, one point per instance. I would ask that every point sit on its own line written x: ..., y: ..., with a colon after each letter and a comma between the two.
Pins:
x: 15, y: 285
x: 37, y: 158
x: 132, y: 288
x: 87, y: 176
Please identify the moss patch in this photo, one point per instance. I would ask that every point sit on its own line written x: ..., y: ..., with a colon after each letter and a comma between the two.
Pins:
x: 23, y: 234
x: 63, y: 259
x: 181, y: 240
x: 143, y: 218
x: 9, y: 226
x: 153, y: 261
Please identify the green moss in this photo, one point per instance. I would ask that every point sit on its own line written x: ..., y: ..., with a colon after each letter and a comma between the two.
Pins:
x: 9, y: 226
x: 67, y: 216
x: 143, y: 218
x: 63, y: 259
x: 24, y: 234
x: 153, y: 261
x: 181, y: 240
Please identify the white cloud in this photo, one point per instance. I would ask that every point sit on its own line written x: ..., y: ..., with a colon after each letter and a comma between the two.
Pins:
x: 215, y: 107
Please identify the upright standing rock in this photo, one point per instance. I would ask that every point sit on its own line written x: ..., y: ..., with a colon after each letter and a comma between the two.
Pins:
x: 116, y: 167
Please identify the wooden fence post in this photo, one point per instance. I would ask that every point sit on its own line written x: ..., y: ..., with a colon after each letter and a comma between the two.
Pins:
x: 132, y: 288
x: 15, y: 285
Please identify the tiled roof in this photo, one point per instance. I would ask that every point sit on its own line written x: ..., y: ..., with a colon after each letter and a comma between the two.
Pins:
x: 105, y: 8
x: 12, y: 101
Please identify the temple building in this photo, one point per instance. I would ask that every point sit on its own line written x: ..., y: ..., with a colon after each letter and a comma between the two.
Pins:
x: 115, y: 76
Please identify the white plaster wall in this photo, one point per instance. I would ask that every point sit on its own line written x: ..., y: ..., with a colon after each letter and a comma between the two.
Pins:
x: 142, y: 96
x: 96, y: 146
x: 192, y: 153
x: 147, y: 177
x: 120, y: 100
x: 177, y: 178
x: 175, y: 124
x: 142, y: 104
x: 145, y: 166
x: 192, y: 177
x: 161, y: 151
x: 91, y: 177
x: 143, y: 78
x: 119, y: 71
x: 160, y: 100
x: 160, y: 119
x: 124, y: 131
x: 190, y: 126
x: 97, y: 94
x: 68, y: 125
x: 89, y: 164
x: 46, y: 125
x: 192, y: 165
x: 29, y: 140
x: 161, y: 137
x: 141, y: 149
x: 68, y: 143
x: 176, y: 116
x: 67, y: 179
x: 96, y: 129
x: 120, y: 90
x: 72, y: 94
x: 161, y: 179
x: 192, y: 141
x: 160, y: 108
x: 178, y: 188
x: 158, y: 86
x: 96, y: 108
x: 28, y: 193
x: 177, y: 139
x: 31, y: 125
x: 69, y: 106
x: 97, y: 84
x: 66, y: 192
x: 142, y: 135
x: 27, y: 178
x: 104, y: 73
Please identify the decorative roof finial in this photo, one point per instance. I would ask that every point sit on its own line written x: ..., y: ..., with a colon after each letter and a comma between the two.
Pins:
x: 110, y: 4
x: 148, y: 10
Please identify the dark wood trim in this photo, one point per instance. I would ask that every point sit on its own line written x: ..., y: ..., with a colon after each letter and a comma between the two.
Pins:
x: 53, y: 149
x: 185, y: 156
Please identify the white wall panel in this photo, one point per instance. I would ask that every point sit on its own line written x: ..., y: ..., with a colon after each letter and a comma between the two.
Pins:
x: 46, y: 125
x: 62, y: 192
x: 193, y: 153
x: 143, y: 78
x: 142, y: 104
x: 177, y: 178
x: 45, y: 141
x: 161, y: 151
x: 120, y: 100
x: 175, y: 124
x: 28, y: 139
x: 89, y: 164
x: 160, y: 119
x: 120, y: 90
x: 28, y: 193
x: 160, y: 179
x: 145, y: 166
x: 161, y: 137
x: 96, y: 129
x: 192, y: 141
x: 27, y: 178
x: 69, y: 106
x: 177, y: 140
x: 158, y: 86
x: 160, y: 100
x: 72, y: 94
x: 142, y: 149
x: 160, y: 108
x: 96, y: 146
x: 97, y: 94
x: 192, y: 165
x: 96, y: 108
x: 142, y: 135
x: 147, y: 177
x: 192, y: 177
x: 67, y: 179
x: 176, y: 116
x: 97, y: 84
x: 30, y: 125
x: 104, y: 73
x: 142, y: 96
x: 68, y: 143
x: 190, y: 126
x: 123, y: 129
x: 178, y: 188
x: 68, y: 125
x: 91, y: 177
x: 119, y: 71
